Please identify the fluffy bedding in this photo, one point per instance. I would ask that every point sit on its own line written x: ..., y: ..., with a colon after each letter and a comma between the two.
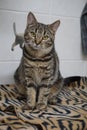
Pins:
x: 69, y: 114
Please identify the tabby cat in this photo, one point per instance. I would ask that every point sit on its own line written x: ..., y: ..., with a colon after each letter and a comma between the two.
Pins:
x: 19, y: 38
x: 38, y: 75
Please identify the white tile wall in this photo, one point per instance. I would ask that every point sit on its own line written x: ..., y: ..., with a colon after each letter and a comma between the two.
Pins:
x: 39, y: 6
x: 6, y: 71
x: 67, y: 8
x: 73, y: 68
x: 67, y: 42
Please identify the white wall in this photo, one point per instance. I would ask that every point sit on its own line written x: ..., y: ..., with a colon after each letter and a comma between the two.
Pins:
x: 68, y: 40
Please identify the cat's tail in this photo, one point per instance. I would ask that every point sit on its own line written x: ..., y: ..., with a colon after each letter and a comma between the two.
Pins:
x: 14, y: 29
x: 79, y: 80
x: 15, y: 33
x: 19, y: 38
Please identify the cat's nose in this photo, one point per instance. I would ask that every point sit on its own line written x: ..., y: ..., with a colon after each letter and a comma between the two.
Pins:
x: 38, y: 41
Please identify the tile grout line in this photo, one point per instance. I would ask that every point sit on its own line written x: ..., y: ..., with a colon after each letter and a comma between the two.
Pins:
x: 48, y: 14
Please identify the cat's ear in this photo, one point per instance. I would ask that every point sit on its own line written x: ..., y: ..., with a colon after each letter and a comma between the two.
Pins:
x: 54, y: 26
x: 31, y: 19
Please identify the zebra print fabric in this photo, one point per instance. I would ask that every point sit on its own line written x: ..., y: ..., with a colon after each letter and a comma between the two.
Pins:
x: 70, y: 113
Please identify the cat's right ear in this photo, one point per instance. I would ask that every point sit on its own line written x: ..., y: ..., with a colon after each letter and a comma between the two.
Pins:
x: 31, y: 19
x: 54, y: 26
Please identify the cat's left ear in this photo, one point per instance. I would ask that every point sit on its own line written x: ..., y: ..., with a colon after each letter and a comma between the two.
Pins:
x: 54, y: 26
x: 31, y: 19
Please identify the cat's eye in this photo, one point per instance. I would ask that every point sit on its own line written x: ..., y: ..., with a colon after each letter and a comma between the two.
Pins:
x: 45, y: 37
x: 32, y: 34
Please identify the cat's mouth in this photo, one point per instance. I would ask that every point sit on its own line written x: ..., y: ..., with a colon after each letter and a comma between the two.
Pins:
x: 34, y: 46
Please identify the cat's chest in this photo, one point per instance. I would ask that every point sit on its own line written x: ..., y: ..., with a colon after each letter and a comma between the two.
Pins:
x: 40, y: 70
x: 41, y: 73
x: 38, y: 75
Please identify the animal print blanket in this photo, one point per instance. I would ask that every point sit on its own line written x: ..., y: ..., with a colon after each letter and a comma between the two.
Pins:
x: 69, y: 114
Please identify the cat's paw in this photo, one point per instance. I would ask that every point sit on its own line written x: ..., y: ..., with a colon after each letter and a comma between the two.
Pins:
x: 41, y: 106
x: 28, y: 107
x: 53, y: 101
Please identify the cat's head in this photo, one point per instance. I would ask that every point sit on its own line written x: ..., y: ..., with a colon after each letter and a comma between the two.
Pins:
x: 40, y: 36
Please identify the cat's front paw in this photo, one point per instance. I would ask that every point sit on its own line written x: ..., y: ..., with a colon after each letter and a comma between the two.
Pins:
x: 41, y: 106
x: 53, y: 101
x: 28, y: 107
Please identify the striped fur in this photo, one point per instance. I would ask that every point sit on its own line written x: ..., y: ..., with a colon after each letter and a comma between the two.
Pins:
x: 38, y: 74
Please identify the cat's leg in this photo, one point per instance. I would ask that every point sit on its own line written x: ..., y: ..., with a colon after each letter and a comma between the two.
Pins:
x: 31, y: 97
x: 26, y: 89
x: 53, y: 95
x: 21, y: 91
x: 43, y: 98
x: 20, y: 88
x: 54, y: 92
x: 28, y: 93
x: 19, y: 40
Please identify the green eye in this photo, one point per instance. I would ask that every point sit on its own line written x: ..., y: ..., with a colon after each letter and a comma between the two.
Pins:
x: 32, y: 34
x: 45, y: 37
